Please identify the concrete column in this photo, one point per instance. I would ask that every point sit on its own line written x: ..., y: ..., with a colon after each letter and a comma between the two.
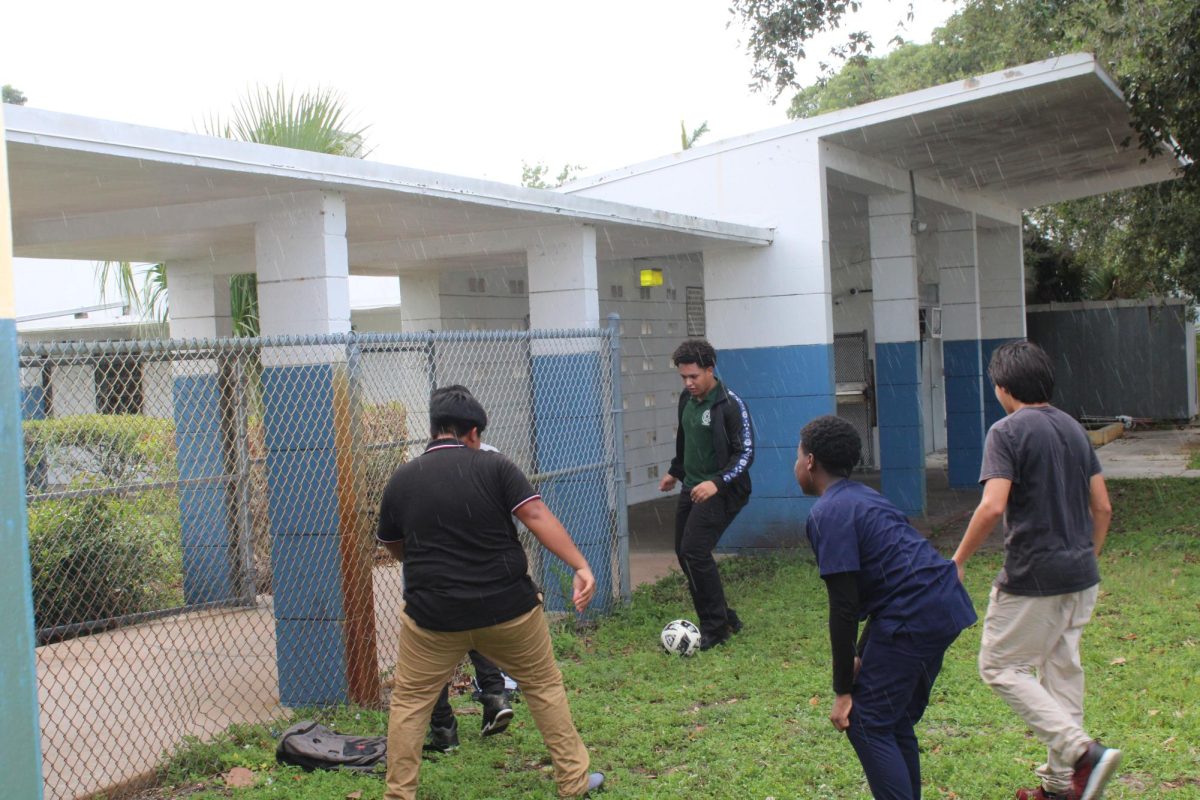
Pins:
x: 420, y: 302
x: 199, y: 309
x: 20, y: 736
x: 568, y: 402
x: 199, y: 301
x: 769, y: 314
x: 319, y: 564
x: 896, y: 299
x: 1001, y: 300
x: 958, y: 279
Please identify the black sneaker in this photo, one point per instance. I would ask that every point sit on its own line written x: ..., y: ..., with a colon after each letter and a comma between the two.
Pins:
x: 442, y: 740
x: 709, y: 642
x: 1093, y: 770
x: 497, y: 713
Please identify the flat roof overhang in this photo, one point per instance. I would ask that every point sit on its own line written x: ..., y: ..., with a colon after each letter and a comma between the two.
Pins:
x: 91, y: 189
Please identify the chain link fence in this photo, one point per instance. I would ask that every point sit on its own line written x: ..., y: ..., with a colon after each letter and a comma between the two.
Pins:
x: 202, y: 516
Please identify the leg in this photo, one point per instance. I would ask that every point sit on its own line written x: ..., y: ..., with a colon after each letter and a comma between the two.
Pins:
x: 1062, y: 678
x: 425, y: 663
x: 443, y: 714
x: 487, y: 674
x: 906, y: 735
x: 522, y: 648
x: 1019, y: 634
x: 702, y: 530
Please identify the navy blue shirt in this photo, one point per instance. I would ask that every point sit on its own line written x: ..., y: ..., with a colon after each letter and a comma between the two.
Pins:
x: 904, y: 584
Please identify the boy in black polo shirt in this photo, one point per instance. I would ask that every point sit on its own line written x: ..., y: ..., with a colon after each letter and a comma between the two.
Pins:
x: 447, y: 515
x: 877, y: 568
x: 1041, y: 474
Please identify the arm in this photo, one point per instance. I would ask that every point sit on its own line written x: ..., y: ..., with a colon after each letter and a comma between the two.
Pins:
x: 740, y: 435
x: 844, y: 609
x: 554, y: 537
x: 1101, y: 511
x: 983, y: 521
x: 675, y: 470
x: 396, y: 549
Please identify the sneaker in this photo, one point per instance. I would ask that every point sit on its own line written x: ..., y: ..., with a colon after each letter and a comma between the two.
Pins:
x: 1093, y: 770
x: 595, y: 781
x: 1041, y: 794
x: 442, y: 740
x: 497, y: 713
x: 709, y: 642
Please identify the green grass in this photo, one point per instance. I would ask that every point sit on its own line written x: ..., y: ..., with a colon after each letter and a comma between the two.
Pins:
x: 1194, y: 460
x: 749, y: 720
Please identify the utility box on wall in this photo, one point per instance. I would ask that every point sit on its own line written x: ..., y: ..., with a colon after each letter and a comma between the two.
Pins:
x: 1120, y: 357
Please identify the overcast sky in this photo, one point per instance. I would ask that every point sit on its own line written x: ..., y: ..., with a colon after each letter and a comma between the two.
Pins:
x: 469, y: 88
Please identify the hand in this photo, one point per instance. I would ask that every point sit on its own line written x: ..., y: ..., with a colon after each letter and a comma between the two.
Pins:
x: 857, y: 666
x: 667, y: 483
x: 840, y: 714
x: 703, y: 491
x: 585, y: 588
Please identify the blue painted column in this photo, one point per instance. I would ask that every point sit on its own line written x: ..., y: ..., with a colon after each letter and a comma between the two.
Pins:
x: 895, y: 301
x: 20, y: 735
x: 569, y: 405
x: 33, y: 396
x: 958, y: 279
x: 1001, y: 300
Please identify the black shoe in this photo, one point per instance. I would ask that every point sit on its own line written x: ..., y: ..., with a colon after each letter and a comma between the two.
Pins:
x: 735, y: 622
x: 497, y: 713
x: 442, y: 740
x: 709, y: 642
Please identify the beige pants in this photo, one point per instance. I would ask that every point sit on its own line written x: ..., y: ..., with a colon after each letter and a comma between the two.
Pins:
x: 521, y: 647
x: 1030, y: 657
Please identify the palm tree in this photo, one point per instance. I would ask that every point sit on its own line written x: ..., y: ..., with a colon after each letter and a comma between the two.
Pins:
x: 316, y: 120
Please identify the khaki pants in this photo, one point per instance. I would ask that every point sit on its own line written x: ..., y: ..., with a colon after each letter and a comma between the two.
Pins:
x: 521, y: 647
x: 1027, y: 635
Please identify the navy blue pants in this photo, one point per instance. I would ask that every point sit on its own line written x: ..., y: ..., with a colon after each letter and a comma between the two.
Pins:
x: 890, y: 696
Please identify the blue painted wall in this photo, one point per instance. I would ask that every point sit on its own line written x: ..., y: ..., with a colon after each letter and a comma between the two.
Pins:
x: 303, y: 507
x: 569, y: 413
x: 901, y: 425
x: 20, y: 735
x: 784, y: 388
x: 33, y: 402
x: 208, y: 558
x: 962, y: 363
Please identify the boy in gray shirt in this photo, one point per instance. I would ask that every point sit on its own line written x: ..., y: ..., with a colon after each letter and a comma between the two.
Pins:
x: 1041, y: 474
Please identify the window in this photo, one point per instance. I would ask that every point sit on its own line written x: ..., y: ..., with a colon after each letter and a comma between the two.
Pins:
x: 516, y: 287
x: 671, y: 293
x: 647, y: 328
x: 616, y: 292
x: 651, y: 437
x: 652, y: 472
x: 649, y: 401
x: 695, y: 311
x: 119, y: 385
x: 477, y: 285
x: 647, y: 365
x: 644, y: 292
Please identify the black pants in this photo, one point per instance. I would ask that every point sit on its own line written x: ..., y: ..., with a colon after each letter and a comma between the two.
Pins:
x: 490, y: 680
x: 698, y: 528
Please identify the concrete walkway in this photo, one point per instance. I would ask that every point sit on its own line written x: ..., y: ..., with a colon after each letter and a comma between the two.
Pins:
x: 113, y: 703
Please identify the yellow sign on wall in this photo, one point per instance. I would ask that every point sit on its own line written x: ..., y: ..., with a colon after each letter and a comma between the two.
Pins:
x: 650, y: 277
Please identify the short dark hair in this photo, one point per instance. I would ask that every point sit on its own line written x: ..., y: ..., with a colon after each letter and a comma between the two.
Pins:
x: 695, y: 351
x: 453, y: 409
x: 1023, y: 370
x: 834, y: 443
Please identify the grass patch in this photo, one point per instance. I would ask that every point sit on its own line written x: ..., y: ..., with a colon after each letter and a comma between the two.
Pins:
x: 750, y: 719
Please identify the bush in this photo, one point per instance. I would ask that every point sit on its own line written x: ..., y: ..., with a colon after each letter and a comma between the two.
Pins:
x: 99, y: 450
x: 99, y: 557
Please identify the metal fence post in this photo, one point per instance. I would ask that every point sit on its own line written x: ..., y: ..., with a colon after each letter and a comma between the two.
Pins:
x: 247, y: 569
x: 618, y: 415
x: 20, y: 739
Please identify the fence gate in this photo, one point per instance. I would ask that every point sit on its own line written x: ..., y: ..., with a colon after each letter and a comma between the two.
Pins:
x: 201, y: 519
x: 855, y: 378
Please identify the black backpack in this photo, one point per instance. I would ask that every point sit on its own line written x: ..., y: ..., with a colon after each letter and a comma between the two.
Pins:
x: 311, y: 746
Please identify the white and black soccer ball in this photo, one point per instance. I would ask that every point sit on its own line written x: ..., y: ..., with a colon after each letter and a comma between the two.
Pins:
x: 680, y: 638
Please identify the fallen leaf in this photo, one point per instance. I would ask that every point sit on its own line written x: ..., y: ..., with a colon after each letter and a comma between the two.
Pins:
x: 1129, y: 637
x: 1153, y: 712
x: 239, y: 778
x: 1116, y: 662
x: 357, y: 795
x: 814, y: 701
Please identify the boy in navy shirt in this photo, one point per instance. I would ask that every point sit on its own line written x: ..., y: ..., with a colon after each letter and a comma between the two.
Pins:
x: 877, y: 568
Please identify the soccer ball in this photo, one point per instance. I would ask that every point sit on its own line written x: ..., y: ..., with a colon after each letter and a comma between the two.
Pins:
x: 680, y: 637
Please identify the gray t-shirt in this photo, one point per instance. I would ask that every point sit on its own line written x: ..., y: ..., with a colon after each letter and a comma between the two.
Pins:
x: 1048, y: 522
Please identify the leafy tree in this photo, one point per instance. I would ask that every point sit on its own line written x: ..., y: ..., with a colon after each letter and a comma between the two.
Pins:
x: 537, y: 176
x: 13, y: 96
x: 316, y: 120
x: 689, y: 140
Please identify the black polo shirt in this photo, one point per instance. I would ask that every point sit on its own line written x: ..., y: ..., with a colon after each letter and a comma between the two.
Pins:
x: 464, y: 566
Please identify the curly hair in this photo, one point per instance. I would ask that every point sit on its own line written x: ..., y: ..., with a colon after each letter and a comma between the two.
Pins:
x: 834, y: 443
x: 695, y: 351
